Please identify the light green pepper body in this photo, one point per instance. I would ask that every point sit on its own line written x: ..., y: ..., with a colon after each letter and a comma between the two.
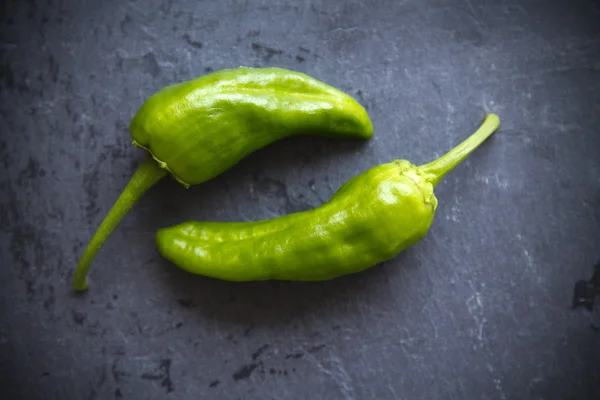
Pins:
x: 198, y: 129
x: 370, y: 219
x: 201, y: 128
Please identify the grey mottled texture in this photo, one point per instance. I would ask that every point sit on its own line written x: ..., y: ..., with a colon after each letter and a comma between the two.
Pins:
x: 480, y: 309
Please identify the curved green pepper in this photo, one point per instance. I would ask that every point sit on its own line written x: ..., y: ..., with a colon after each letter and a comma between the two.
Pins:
x: 370, y: 219
x: 198, y: 129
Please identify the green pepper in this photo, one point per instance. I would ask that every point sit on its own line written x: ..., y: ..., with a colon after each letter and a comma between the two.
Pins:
x: 370, y: 219
x: 198, y: 129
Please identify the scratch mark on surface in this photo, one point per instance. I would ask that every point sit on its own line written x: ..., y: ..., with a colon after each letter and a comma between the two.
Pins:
x: 528, y: 258
x: 338, y: 374
x: 393, y: 391
x: 542, y: 73
x: 475, y: 306
x: 346, y: 30
x: 432, y: 319
x: 453, y: 215
x: 501, y: 183
x: 487, y: 104
x: 530, y: 265
x: 482, y: 179
x: 473, y: 14
x: 498, y: 384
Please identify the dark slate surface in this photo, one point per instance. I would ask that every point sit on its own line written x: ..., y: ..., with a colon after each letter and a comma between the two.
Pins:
x: 480, y: 309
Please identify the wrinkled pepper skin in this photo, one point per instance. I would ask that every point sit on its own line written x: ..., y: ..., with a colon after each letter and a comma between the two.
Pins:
x: 201, y: 128
x: 370, y: 219
x: 198, y: 129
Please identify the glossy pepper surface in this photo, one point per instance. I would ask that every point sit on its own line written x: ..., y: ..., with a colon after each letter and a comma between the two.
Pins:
x: 198, y: 129
x: 370, y: 219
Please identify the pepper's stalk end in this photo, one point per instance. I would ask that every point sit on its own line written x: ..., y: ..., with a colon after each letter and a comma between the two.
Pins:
x: 437, y: 169
x: 145, y: 176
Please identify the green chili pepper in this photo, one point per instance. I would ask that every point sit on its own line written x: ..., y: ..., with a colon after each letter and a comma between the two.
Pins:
x: 370, y: 219
x: 198, y: 129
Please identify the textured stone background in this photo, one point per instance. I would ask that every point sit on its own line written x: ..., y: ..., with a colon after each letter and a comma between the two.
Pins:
x: 479, y: 309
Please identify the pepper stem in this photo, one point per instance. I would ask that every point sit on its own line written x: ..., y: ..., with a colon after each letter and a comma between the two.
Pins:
x: 144, y: 177
x: 438, y: 168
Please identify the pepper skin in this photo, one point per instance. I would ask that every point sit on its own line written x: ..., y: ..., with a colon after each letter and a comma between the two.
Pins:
x: 198, y: 129
x: 370, y: 219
